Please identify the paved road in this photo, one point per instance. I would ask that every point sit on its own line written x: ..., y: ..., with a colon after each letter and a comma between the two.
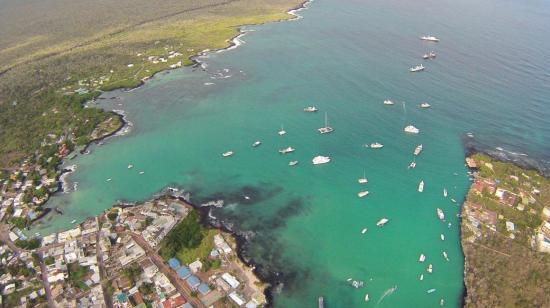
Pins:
x: 44, y: 277
x: 101, y: 265
x: 180, y: 285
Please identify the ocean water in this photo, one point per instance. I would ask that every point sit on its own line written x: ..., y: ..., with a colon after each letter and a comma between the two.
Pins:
x: 303, y: 224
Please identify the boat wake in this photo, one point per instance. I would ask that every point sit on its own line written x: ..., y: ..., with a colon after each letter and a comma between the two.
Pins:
x: 386, y: 293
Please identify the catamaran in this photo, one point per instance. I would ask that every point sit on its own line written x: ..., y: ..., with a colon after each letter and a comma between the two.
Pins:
x: 412, y: 165
x: 430, y: 268
x: 326, y: 129
x: 362, y: 194
x: 287, y: 150
x: 440, y: 214
x: 411, y: 129
x: 257, y: 143
x: 363, y: 180
x: 376, y: 145
x: 430, y: 55
x: 422, y: 258
x: 319, y: 160
x: 382, y: 222
x: 311, y: 109
x: 429, y: 38
x: 388, y: 102
x: 418, y: 149
x: 417, y: 68
x: 293, y: 163
x: 425, y: 105
x: 421, y: 186
x: 227, y: 154
x: 282, y: 131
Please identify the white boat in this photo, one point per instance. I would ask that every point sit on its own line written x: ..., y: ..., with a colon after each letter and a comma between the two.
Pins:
x: 471, y: 135
x: 429, y: 38
x: 141, y: 172
x: 109, y: 180
x: 130, y: 166
x: 418, y: 149
x: 362, y: 194
x: 376, y: 145
x: 311, y: 109
x: 429, y: 55
x: 326, y: 129
x: 319, y: 160
x: 388, y: 102
x: 421, y: 186
x: 382, y: 222
x: 227, y: 154
x: 366, y: 297
x: 287, y: 150
x: 73, y: 221
x: 421, y: 277
x: 442, y: 236
x: 430, y: 268
x: 441, y: 302
x: 445, y: 256
x: 411, y: 129
x: 293, y: 163
x: 257, y: 143
x: 453, y: 200
x: 418, y: 68
x: 363, y: 180
x: 440, y: 214
x: 425, y: 105
x: 445, y: 192
x: 431, y: 291
x: 282, y: 131
x: 364, y: 231
x: 412, y: 165
x: 422, y: 258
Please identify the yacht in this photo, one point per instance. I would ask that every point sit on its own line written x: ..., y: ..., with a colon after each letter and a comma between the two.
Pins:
x: 421, y: 186
x: 445, y: 256
x: 430, y: 268
x: 319, y: 160
x: 412, y: 165
x: 326, y: 129
x: 440, y: 214
x: 388, y: 102
x: 362, y: 194
x: 411, y: 129
x: 376, y: 145
x: 282, y: 131
x: 425, y: 105
x: 418, y: 149
x: 293, y: 163
x: 418, y: 68
x: 363, y: 180
x: 227, y: 154
x: 130, y: 166
x: 445, y: 192
x: 422, y: 258
x: 287, y: 150
x: 382, y: 222
x: 311, y: 109
x: 364, y: 231
x: 429, y: 38
x: 442, y: 236
x: 257, y: 143
x: 429, y: 55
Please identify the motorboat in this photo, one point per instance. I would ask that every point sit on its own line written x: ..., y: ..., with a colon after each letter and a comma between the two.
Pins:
x: 418, y: 149
x: 257, y: 143
x: 293, y: 163
x: 421, y: 186
x: 430, y: 268
x: 311, y: 109
x: 382, y: 222
x: 376, y: 145
x: 429, y: 38
x: 388, y: 102
x: 418, y: 68
x: 142, y: 172
x: 130, y: 166
x: 287, y: 150
x: 364, y: 231
x: 411, y: 129
x: 422, y: 258
x: 319, y: 160
x: 425, y: 105
x: 440, y: 214
x: 326, y: 129
x: 282, y: 131
x: 431, y: 291
x: 227, y: 154
x: 442, y: 236
x: 362, y: 194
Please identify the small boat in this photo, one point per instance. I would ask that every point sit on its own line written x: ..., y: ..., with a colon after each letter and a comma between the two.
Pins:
x: 130, y: 166
x: 445, y: 256
x: 431, y: 291
x: 326, y: 129
x: 412, y: 165
x: 257, y: 143
x: 73, y: 221
x: 429, y: 38
x: 453, y: 200
x: 362, y: 194
x: 421, y: 186
x: 421, y: 277
x: 441, y: 302
x: 440, y: 214
x: 430, y: 268
x: 282, y: 131
x: 429, y: 55
x: 376, y: 145
x: 109, y: 180
x: 449, y: 225
x: 364, y: 231
x: 382, y: 222
x: 142, y: 172
x: 363, y: 180
x: 422, y: 258
x: 471, y: 135
x: 442, y: 236
x: 227, y: 154
x: 418, y: 68
x: 311, y: 109
x: 293, y: 163
x: 321, y: 302
x: 366, y: 297
x: 388, y: 102
x: 411, y: 129
x: 418, y: 149
x: 425, y: 105
x: 445, y: 192
x: 287, y: 150
x: 319, y: 160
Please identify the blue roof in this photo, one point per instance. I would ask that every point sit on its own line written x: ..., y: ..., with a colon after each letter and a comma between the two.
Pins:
x: 183, y: 272
x: 122, y: 297
x: 203, y: 288
x: 174, y: 263
x: 214, y: 253
x: 193, y: 281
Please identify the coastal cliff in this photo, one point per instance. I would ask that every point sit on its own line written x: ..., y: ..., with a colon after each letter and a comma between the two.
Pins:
x: 505, y: 236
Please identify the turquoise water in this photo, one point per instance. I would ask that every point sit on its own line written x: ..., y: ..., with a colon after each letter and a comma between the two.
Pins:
x: 304, y: 222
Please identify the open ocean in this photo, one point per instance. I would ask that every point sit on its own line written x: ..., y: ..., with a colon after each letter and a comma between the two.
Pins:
x: 491, y: 77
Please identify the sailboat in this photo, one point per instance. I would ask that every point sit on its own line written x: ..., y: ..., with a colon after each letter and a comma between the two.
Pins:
x: 326, y: 129
x: 422, y: 258
x: 445, y: 192
x: 282, y: 131
x: 421, y: 186
x: 363, y: 180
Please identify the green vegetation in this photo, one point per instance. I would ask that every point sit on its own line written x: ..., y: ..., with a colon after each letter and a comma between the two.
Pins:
x: 209, y: 264
x: 112, y: 215
x: 201, y: 252
x: 28, y: 244
x: 186, y: 236
x: 49, y: 260
x: 132, y: 273
x: 77, y: 274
